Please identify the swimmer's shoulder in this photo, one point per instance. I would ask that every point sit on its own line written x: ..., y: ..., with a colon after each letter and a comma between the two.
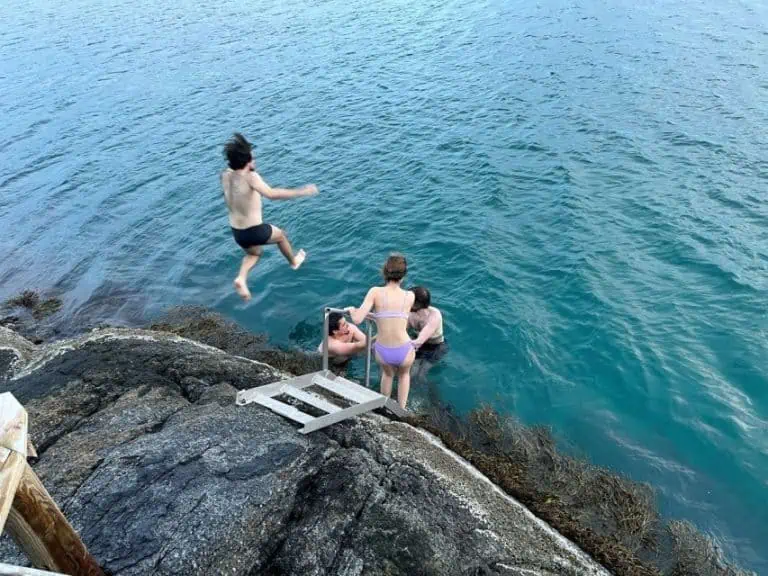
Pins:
x: 374, y: 293
x: 226, y: 177
x: 235, y: 183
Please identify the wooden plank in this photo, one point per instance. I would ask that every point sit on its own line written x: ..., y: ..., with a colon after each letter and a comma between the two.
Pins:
x: 346, y: 389
x: 311, y: 399
x: 23, y: 534
x: 13, y: 424
x: 43, y: 533
x: 328, y: 419
x: 31, y: 451
x: 284, y: 409
x: 8, y: 570
x: 10, y: 476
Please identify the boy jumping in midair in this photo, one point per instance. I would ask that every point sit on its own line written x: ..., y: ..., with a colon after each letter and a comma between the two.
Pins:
x: 243, y: 189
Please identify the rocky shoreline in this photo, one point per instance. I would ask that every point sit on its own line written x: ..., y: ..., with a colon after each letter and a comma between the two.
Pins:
x: 141, y: 444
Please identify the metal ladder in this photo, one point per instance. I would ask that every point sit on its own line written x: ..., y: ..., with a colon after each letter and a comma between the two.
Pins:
x: 361, y: 398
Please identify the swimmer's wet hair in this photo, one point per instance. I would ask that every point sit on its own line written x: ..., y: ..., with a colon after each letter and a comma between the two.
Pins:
x: 238, y: 152
x: 423, y: 298
x: 334, y: 319
x: 395, y: 268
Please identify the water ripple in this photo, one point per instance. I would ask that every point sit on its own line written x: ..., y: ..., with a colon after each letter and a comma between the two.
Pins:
x: 582, y: 190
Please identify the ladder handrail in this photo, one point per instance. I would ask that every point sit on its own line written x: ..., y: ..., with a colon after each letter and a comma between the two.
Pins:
x: 369, y: 340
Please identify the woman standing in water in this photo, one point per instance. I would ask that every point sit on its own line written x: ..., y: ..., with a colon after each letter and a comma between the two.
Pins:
x: 393, y: 348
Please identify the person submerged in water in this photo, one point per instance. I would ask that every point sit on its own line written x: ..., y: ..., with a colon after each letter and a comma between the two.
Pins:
x: 430, y: 343
x: 243, y: 189
x: 344, y: 339
x: 393, y: 347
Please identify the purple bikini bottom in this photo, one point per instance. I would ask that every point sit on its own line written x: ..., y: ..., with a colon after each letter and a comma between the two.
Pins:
x: 393, y: 356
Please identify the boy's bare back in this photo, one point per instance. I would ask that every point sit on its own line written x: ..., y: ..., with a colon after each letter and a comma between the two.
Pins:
x: 243, y: 200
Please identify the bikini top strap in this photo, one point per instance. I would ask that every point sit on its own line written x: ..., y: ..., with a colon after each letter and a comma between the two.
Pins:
x: 383, y: 312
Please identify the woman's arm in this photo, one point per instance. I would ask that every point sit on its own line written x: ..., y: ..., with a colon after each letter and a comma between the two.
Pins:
x: 359, y: 314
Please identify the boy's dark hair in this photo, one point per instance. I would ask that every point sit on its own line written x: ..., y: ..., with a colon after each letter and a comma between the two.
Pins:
x: 395, y: 268
x: 334, y: 319
x: 237, y: 150
x: 423, y: 298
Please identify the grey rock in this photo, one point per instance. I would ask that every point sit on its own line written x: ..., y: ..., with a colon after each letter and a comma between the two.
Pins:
x: 144, y: 449
x: 15, y: 352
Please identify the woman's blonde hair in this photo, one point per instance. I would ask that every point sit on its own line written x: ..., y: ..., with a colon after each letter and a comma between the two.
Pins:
x: 395, y: 268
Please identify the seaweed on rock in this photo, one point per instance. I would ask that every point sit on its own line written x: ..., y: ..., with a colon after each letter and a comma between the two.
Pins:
x: 39, y: 308
x: 200, y: 324
x: 611, y: 517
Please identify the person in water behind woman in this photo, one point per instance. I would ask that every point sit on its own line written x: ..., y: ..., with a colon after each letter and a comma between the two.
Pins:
x: 430, y: 343
x: 243, y: 189
x: 392, y: 304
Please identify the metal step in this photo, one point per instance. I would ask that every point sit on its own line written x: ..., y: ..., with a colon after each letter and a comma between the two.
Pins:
x: 344, y: 388
x: 363, y: 400
x: 311, y: 399
x: 285, y: 410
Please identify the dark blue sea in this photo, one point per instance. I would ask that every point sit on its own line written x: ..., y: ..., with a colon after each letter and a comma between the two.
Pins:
x: 581, y: 183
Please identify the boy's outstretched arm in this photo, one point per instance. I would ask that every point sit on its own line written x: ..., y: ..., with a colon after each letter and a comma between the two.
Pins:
x: 257, y: 182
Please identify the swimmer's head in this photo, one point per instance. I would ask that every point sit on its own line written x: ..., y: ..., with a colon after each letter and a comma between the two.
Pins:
x: 395, y: 268
x: 238, y: 152
x: 337, y: 326
x: 422, y: 300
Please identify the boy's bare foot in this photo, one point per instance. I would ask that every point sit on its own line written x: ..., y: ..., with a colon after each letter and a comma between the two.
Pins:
x: 242, y: 289
x: 298, y: 259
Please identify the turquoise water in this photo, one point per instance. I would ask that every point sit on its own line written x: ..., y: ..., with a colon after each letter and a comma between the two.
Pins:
x: 580, y: 183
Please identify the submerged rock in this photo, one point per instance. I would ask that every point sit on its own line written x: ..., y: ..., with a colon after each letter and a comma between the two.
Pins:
x: 144, y: 449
